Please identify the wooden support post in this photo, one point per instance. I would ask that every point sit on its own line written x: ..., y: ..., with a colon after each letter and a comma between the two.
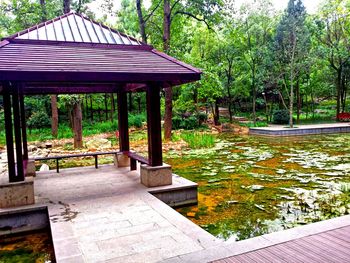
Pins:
x: 57, y: 166
x: 23, y: 126
x: 154, y: 126
x: 9, y: 137
x: 96, y: 161
x: 18, y: 134
x: 123, y: 122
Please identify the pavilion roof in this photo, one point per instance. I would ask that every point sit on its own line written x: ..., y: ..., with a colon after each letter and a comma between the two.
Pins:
x: 73, y: 48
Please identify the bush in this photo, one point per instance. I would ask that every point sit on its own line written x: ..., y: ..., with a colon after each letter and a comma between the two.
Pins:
x: 176, y: 121
x: 39, y: 120
x: 280, y: 117
x: 136, y: 120
x: 189, y: 122
x: 202, y: 117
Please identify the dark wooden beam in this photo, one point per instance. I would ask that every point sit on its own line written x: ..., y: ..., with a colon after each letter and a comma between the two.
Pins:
x: 69, y: 88
x: 123, y: 122
x: 125, y: 77
x: 23, y: 126
x: 9, y: 137
x: 154, y: 126
x: 18, y: 133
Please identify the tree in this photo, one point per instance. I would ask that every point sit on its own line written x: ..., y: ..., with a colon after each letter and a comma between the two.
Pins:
x: 200, y: 10
x: 334, y: 34
x: 256, y: 26
x: 292, y: 44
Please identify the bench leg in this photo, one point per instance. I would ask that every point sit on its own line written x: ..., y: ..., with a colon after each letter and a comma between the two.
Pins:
x: 133, y: 165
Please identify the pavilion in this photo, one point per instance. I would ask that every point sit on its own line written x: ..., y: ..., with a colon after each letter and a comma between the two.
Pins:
x: 73, y: 54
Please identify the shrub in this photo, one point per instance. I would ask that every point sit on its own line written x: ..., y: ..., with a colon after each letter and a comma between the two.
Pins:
x: 280, y: 117
x: 176, y: 121
x: 39, y: 120
x: 202, y: 117
x: 186, y: 123
x: 136, y: 120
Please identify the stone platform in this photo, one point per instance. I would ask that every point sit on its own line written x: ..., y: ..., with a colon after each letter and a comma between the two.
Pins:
x: 106, y: 215
x: 300, y: 130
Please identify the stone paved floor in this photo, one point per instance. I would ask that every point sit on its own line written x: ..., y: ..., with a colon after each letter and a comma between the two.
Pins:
x: 106, y: 215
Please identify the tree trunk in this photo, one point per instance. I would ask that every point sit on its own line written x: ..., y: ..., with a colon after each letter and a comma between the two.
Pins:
x: 54, y: 118
x: 291, y: 99
x: 142, y: 23
x: 66, y: 6
x: 91, y: 110
x: 130, y: 102
x: 254, y: 102
x: 112, y: 107
x: 168, y: 91
x: 77, y: 126
x: 106, y: 107
x: 339, y: 71
x: 297, y: 90
x: 168, y: 113
x: 216, y: 113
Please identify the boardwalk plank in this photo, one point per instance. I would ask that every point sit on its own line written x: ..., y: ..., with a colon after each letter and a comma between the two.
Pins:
x: 321, y: 253
x: 269, y: 256
x: 281, y: 252
x: 307, y: 255
x: 335, y: 245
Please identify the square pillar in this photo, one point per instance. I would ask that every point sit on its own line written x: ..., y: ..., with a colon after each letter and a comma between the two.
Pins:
x: 154, y: 129
x: 152, y: 176
x: 121, y: 160
x: 9, y: 136
x: 29, y: 167
x: 123, y: 125
x: 18, y: 133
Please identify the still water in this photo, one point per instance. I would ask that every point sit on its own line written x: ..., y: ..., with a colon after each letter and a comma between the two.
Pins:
x: 249, y: 186
x: 27, y: 248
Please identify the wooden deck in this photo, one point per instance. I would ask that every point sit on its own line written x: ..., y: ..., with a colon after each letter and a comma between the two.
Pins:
x: 329, y: 246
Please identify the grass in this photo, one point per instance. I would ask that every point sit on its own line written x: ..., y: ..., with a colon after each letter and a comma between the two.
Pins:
x: 251, y: 124
x: 197, y: 140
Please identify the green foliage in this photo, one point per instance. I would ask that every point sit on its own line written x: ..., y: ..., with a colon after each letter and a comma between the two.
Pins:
x: 189, y: 122
x: 280, y: 117
x: 198, y: 140
x: 136, y: 120
x: 39, y: 120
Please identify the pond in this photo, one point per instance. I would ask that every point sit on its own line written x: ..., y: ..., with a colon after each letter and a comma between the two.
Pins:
x: 27, y: 248
x: 250, y: 186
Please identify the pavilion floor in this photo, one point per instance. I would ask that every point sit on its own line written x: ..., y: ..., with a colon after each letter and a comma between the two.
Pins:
x: 106, y: 215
